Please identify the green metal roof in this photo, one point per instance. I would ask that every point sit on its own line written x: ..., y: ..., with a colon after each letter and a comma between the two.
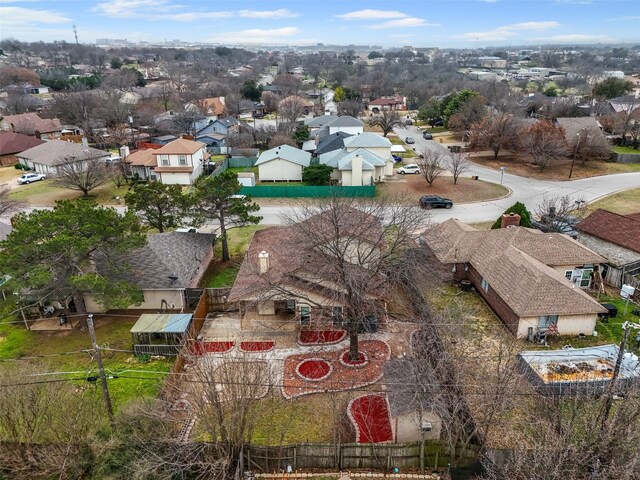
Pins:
x: 162, y: 323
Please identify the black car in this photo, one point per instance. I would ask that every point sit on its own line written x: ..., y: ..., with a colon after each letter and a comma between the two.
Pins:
x: 427, y: 136
x: 434, y: 201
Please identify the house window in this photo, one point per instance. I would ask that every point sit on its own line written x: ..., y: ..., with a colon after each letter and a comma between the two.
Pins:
x: 305, y: 314
x: 182, y: 159
x: 582, y: 277
x: 545, y: 321
x: 484, y: 284
x: 568, y: 274
x: 337, y: 315
x: 164, y: 159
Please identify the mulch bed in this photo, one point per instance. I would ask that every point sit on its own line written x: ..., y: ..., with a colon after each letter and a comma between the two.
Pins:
x: 313, y: 369
x: 321, y: 337
x: 202, y: 348
x: 257, y: 346
x: 370, y: 416
x: 342, y: 377
x: 359, y: 362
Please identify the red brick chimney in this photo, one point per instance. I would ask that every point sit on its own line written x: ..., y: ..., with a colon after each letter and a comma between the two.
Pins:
x: 510, y: 220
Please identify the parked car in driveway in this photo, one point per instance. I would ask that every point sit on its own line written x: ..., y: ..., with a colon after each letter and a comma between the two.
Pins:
x: 411, y: 168
x: 435, y: 201
x: 409, y: 140
x: 31, y: 177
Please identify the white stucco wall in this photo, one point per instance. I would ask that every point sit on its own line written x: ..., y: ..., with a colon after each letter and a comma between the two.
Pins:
x: 346, y: 178
x: 280, y: 170
x: 170, y: 178
x: 152, y: 300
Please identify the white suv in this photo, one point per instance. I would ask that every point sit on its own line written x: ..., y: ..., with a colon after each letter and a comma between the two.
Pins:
x: 30, y: 177
x: 411, y: 168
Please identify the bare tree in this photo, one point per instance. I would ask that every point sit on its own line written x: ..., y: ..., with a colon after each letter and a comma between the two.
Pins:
x: 386, y: 120
x: 470, y: 112
x: 352, y: 108
x: 81, y: 175
x: 561, y: 213
x: 457, y: 164
x: 98, y: 62
x: 545, y: 143
x: 282, y: 138
x: 184, y: 121
x: 288, y: 84
x: 8, y: 206
x: 270, y: 101
x: 432, y: 164
x: 354, y: 256
x: 290, y: 109
x: 495, y: 132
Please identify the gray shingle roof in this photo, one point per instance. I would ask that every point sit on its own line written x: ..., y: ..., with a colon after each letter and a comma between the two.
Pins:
x: 285, y: 152
x: 321, y: 121
x: 342, y: 160
x: 178, y: 254
x: 56, y: 152
x: 367, y: 139
x: 346, y: 121
x: 331, y: 142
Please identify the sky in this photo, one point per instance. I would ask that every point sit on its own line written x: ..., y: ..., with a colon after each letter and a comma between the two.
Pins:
x: 420, y: 23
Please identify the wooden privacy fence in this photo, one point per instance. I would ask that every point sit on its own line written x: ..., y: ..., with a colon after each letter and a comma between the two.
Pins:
x: 217, y: 299
x: 381, y: 456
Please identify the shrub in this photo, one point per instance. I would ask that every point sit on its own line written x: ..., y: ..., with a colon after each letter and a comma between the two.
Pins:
x: 520, y: 209
x: 317, y: 174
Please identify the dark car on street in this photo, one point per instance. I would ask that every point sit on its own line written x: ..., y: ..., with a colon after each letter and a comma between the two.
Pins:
x: 435, y: 201
x: 427, y: 136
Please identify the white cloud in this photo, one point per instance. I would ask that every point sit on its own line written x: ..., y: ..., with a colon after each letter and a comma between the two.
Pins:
x: 19, y: 16
x: 576, y: 38
x: 132, y: 8
x: 191, y: 16
x: 271, y: 14
x: 507, y: 31
x: 369, y: 14
x: 260, y: 36
x: 403, y: 23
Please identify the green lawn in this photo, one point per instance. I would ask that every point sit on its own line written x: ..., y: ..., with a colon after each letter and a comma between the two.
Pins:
x: 237, y: 170
x: 40, y: 352
x: 46, y: 193
x: 620, y: 149
x: 223, y: 274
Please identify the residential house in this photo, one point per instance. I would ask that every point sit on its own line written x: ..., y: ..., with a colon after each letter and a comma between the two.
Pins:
x: 212, y: 108
x: 223, y: 125
x: 142, y: 163
x: 346, y: 124
x: 306, y: 105
x: 329, y: 143
x: 578, y: 127
x: 168, y: 265
x: 12, y: 143
x: 617, y: 238
x: 162, y: 139
x: 282, y: 164
x: 533, y: 281
x: 625, y: 104
x: 287, y: 285
x: 387, y: 103
x: 180, y: 162
x: 32, y: 125
x: 35, y: 89
x: 48, y: 157
x: 365, y: 159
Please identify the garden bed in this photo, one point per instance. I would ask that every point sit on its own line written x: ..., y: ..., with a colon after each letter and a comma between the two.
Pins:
x: 202, y: 348
x: 314, y: 369
x: 321, y: 337
x: 361, y: 361
x: 342, y: 377
x: 370, y: 417
x: 251, y: 347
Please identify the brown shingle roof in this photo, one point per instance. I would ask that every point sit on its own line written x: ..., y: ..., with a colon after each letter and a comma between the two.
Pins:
x: 11, y: 142
x: 622, y: 230
x: 516, y: 262
x: 142, y: 158
x: 29, y: 123
x: 453, y: 241
x: 180, y: 146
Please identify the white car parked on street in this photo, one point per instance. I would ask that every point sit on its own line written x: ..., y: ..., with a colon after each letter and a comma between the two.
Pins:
x: 411, y: 168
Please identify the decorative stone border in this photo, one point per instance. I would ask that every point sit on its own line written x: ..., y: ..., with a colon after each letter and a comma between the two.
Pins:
x: 319, y: 332
x: 358, y: 364
x: 309, y: 379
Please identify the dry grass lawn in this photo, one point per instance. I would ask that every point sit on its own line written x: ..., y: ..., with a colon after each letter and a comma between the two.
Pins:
x: 519, y: 165
x: 467, y: 190
x: 44, y: 193
x: 9, y: 173
x: 623, y: 203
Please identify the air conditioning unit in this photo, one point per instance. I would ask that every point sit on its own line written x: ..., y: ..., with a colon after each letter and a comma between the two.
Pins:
x: 426, y: 427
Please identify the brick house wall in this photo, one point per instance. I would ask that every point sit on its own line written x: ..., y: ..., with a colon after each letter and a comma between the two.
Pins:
x: 495, y: 302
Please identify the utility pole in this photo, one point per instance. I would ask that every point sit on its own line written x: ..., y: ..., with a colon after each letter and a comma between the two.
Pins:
x: 103, y: 378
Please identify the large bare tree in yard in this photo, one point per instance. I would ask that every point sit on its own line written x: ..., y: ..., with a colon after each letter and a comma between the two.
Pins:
x: 545, y: 143
x: 289, y: 110
x: 83, y: 175
x: 457, y: 164
x: 432, y: 164
x: 561, y: 213
x: 356, y: 250
x: 495, y: 132
x: 386, y: 121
